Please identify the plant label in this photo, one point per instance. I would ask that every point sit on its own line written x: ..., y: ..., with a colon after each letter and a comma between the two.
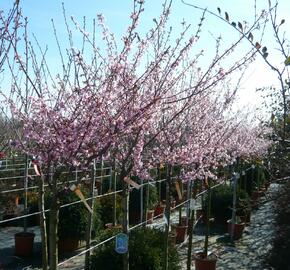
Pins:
x: 178, y: 191
x: 121, y: 246
x: 131, y: 182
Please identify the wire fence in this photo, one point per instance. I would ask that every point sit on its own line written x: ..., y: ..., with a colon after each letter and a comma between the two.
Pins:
x: 7, y: 168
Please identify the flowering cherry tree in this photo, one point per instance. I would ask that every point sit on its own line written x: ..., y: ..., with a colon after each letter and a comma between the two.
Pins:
x: 139, y: 102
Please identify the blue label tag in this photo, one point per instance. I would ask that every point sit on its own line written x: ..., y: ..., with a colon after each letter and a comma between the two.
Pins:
x: 121, y: 243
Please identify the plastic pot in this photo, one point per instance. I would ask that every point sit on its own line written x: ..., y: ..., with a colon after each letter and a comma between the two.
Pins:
x: 24, y: 243
x: 203, y: 262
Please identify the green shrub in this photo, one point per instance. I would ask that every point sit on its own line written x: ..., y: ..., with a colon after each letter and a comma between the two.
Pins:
x: 253, y: 179
x: 73, y: 219
x: 222, y: 200
x: 147, y: 249
x: 107, y: 208
x: 135, y: 201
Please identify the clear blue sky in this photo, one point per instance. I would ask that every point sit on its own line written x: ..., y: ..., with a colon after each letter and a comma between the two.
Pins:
x: 116, y: 12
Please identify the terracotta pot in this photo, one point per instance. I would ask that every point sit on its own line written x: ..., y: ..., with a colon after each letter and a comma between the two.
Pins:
x: 24, y: 243
x: 149, y: 216
x: 159, y: 210
x: 205, y: 263
x: 181, y: 232
x: 68, y: 244
x: 238, y: 229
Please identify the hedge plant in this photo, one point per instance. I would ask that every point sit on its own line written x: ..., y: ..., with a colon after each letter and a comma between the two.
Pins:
x: 222, y: 199
x: 146, y: 252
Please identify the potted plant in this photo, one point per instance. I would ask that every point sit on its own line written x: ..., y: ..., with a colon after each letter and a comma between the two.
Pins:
x: 205, y: 260
x: 73, y: 221
x: 180, y: 229
x: 221, y: 201
x: 107, y: 210
x: 24, y: 240
x: 147, y: 245
x: 159, y: 209
x: 236, y: 228
x: 24, y: 243
x: 150, y: 200
x: 32, y: 207
x: 221, y: 204
x: 244, y: 206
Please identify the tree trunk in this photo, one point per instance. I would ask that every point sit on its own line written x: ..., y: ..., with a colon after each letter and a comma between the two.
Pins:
x: 207, y: 219
x: 91, y: 203
x: 25, y: 193
x: 167, y: 215
x: 146, y: 205
x: 234, y: 207
x: 125, y: 208
x: 115, y: 195
x: 190, y: 231
x: 42, y: 217
x: 53, y: 224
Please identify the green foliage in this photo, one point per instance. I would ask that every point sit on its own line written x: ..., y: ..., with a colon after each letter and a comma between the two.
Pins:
x: 107, y: 208
x: 73, y: 219
x: 146, y: 246
x: 135, y: 198
x: 287, y: 61
x: 253, y: 179
x: 222, y: 199
x: 243, y: 202
x: 153, y: 197
x: 279, y: 257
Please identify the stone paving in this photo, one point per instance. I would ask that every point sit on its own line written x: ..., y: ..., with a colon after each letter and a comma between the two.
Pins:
x: 247, y: 253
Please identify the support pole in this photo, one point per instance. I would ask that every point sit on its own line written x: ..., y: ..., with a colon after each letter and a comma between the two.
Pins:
x: 91, y: 203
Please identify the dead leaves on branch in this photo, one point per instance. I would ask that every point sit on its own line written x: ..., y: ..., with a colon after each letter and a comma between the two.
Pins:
x: 287, y: 61
x: 250, y: 37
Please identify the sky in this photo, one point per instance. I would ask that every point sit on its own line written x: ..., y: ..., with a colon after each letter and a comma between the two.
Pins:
x: 116, y: 12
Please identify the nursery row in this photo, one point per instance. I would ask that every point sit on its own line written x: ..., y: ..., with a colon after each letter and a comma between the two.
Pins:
x: 146, y: 202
